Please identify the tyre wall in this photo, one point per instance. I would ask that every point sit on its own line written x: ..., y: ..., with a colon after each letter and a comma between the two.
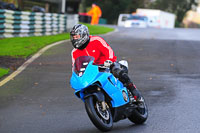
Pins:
x: 21, y: 24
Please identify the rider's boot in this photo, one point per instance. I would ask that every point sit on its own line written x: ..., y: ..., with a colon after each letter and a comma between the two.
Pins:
x: 135, y: 92
x: 130, y: 86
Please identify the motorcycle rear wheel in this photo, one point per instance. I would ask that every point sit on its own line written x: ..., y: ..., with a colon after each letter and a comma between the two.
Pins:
x: 101, y: 119
x: 140, y: 114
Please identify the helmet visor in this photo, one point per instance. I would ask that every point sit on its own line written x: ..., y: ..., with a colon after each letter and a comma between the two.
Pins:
x: 75, y: 39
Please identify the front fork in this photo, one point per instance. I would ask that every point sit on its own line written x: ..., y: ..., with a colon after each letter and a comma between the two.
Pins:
x: 103, y: 103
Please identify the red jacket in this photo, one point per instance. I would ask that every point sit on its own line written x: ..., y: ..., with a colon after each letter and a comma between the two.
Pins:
x: 98, y: 48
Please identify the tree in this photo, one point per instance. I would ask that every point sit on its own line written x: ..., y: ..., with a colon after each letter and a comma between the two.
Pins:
x: 178, y: 7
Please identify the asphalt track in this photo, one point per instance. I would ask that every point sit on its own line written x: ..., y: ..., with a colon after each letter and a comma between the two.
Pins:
x: 164, y: 65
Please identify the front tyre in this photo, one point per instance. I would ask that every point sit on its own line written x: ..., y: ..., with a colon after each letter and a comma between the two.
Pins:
x: 102, y: 119
x: 140, y: 114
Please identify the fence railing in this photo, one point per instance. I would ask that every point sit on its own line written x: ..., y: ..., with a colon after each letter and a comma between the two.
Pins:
x: 19, y: 23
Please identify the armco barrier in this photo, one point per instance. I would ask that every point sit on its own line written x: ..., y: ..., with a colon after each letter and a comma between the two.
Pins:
x: 18, y: 23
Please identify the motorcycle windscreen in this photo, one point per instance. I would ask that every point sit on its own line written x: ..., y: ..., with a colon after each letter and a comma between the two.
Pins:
x: 81, y: 63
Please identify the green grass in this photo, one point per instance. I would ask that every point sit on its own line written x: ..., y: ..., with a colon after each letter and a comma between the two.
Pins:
x: 95, y: 30
x: 3, y: 72
x: 26, y: 46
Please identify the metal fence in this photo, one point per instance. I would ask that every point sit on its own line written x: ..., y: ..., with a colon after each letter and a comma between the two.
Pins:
x: 18, y: 23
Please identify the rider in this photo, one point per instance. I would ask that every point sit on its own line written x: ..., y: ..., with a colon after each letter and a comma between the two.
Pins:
x: 87, y: 45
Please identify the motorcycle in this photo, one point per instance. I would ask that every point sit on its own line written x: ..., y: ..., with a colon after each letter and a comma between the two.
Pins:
x: 105, y: 97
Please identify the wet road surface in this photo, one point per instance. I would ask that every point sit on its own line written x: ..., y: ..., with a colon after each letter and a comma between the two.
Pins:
x: 164, y: 65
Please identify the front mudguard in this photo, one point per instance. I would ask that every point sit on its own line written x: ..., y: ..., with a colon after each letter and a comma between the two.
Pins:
x: 99, y: 95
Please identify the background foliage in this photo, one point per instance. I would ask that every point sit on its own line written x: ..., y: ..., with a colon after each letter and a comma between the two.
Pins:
x: 112, y: 8
x: 178, y: 7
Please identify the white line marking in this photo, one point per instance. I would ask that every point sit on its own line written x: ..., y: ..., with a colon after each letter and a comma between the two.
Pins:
x: 22, y: 67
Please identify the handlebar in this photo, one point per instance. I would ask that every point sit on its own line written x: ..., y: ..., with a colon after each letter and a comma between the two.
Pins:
x: 103, y: 67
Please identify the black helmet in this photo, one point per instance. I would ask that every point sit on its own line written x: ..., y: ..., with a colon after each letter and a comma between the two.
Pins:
x: 81, y: 30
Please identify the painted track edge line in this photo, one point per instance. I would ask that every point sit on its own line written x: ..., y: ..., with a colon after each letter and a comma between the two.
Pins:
x: 109, y: 33
x: 29, y: 61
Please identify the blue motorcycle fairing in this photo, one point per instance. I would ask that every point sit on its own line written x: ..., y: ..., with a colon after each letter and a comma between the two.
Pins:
x: 109, y: 84
x: 115, y: 92
x: 80, y: 82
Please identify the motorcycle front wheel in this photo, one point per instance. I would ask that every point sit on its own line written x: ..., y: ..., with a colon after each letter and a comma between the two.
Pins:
x: 102, y: 119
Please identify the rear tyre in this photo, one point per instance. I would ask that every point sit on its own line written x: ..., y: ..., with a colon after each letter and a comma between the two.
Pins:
x: 140, y: 114
x: 101, y: 119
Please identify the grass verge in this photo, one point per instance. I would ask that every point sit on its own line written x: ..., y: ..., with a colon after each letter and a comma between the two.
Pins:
x: 26, y: 46
x: 3, y: 72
